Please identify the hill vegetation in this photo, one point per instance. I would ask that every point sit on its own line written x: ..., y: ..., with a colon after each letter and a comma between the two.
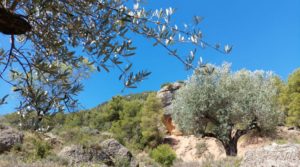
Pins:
x: 136, y: 120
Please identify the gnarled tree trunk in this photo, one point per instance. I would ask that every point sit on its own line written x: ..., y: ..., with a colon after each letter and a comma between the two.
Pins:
x: 231, y: 148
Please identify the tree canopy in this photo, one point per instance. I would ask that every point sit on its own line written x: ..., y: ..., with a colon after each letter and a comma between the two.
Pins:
x: 55, y: 44
x: 216, y: 102
x: 289, y: 98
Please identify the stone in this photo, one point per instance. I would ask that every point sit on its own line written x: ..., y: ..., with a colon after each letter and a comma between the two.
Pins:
x: 9, y: 137
x: 118, y: 152
x: 109, y: 152
x: 78, y: 154
x: 166, y: 95
x: 287, y: 155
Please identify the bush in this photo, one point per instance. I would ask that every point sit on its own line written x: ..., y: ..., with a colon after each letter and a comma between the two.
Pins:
x: 151, y: 122
x: 164, y: 155
x: 41, y: 150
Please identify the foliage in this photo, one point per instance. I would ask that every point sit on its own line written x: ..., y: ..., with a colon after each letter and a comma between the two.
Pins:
x: 84, y: 136
x: 33, y: 148
x: 42, y: 149
x: 59, y: 43
x: 139, y: 124
x: 28, y: 121
x: 145, y: 160
x: 151, y: 122
x: 289, y: 98
x: 127, y: 129
x: 164, y: 155
x: 216, y: 102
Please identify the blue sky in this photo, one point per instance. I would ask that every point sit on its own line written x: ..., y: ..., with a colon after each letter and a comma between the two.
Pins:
x: 265, y: 35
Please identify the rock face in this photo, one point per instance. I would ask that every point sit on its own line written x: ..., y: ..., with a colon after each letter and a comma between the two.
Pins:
x: 109, y: 152
x: 287, y: 155
x: 9, y: 137
x: 166, y: 94
x: 118, y: 152
x: 77, y: 154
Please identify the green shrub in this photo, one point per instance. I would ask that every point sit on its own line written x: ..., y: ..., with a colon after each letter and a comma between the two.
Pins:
x: 151, y: 122
x: 41, y: 150
x: 164, y: 155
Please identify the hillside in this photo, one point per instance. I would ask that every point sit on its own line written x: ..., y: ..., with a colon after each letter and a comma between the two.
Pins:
x: 139, y: 123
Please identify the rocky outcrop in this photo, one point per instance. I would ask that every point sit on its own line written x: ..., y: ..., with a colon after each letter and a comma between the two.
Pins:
x: 9, y: 137
x: 109, y: 152
x: 287, y: 155
x: 78, y: 154
x: 166, y: 94
x: 187, y: 149
x: 117, y: 152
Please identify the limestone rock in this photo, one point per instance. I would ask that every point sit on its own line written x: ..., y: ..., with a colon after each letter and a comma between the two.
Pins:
x: 287, y: 155
x: 9, y: 137
x: 166, y: 95
x: 118, y: 152
x: 109, y: 152
x: 78, y: 154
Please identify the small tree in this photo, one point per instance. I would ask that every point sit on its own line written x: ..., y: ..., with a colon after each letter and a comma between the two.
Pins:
x: 151, y: 116
x: 56, y: 44
x: 218, y: 103
x: 290, y: 99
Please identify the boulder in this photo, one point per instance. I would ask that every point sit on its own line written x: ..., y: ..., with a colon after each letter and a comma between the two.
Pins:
x: 109, y: 152
x: 79, y: 154
x: 9, y: 137
x: 287, y: 155
x: 118, y: 152
x: 166, y: 94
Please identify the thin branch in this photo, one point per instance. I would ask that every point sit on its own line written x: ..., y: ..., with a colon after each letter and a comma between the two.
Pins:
x: 14, y: 5
x: 173, y: 29
x: 10, y: 54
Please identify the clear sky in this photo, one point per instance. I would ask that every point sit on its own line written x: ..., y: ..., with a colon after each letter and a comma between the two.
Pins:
x: 265, y: 35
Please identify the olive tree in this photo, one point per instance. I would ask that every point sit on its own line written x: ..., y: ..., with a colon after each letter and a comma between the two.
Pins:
x: 55, y: 44
x: 216, y: 102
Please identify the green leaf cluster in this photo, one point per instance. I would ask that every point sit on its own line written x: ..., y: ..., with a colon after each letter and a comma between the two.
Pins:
x: 163, y: 154
x: 289, y: 98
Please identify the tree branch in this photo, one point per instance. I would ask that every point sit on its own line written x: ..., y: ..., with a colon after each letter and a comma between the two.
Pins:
x: 10, y: 54
x: 209, y: 135
x: 14, y: 5
x: 239, y: 133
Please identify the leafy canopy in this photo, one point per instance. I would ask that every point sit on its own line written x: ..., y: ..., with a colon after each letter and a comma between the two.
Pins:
x: 218, y: 103
x: 60, y: 42
x: 289, y: 98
